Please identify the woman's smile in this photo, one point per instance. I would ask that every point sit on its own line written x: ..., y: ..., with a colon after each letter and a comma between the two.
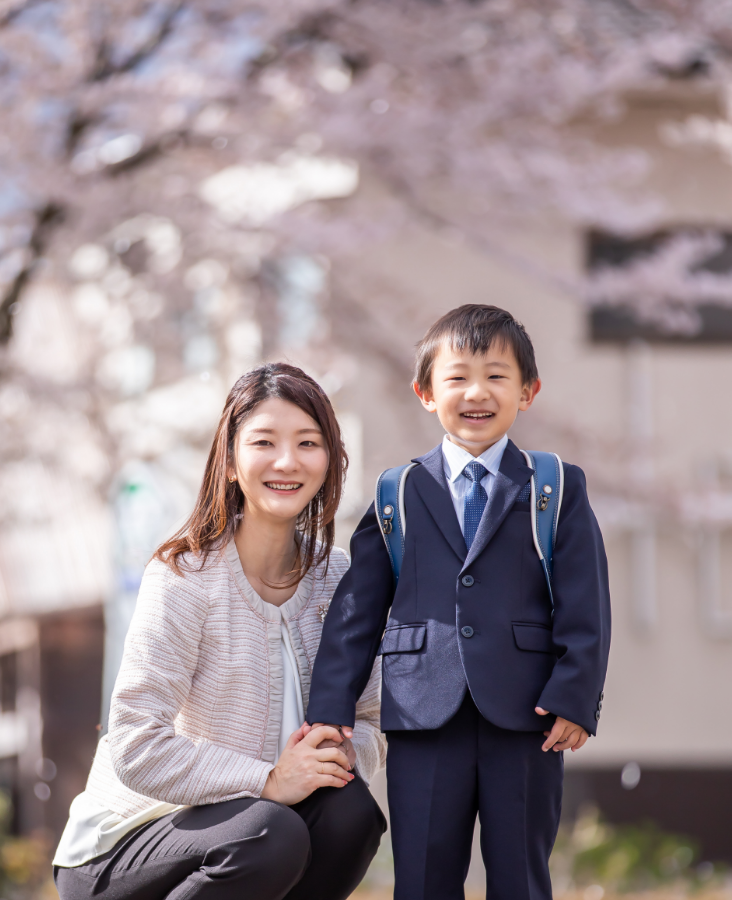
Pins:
x: 283, y: 486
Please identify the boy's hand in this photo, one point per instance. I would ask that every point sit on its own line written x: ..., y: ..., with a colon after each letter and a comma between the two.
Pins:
x: 346, y: 746
x: 565, y: 735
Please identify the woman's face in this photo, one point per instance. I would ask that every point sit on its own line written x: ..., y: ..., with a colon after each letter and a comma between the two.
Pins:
x: 281, y: 459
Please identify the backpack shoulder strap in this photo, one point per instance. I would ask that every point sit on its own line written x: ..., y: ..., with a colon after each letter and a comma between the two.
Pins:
x: 547, y: 488
x: 389, y: 508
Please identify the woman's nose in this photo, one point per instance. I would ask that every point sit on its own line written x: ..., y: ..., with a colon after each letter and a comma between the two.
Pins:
x: 286, y: 461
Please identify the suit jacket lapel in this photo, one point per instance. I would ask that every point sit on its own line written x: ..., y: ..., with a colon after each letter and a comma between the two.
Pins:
x: 511, y: 478
x: 431, y: 484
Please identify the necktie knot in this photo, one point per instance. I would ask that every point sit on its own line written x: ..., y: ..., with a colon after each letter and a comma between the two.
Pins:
x: 475, y: 472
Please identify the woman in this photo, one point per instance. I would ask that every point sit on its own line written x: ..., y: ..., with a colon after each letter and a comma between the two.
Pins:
x: 209, y: 784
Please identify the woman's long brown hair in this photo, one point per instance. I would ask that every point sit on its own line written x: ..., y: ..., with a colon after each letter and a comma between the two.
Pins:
x: 220, y: 503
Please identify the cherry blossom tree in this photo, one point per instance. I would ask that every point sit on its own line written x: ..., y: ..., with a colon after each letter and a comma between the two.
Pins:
x: 183, y: 181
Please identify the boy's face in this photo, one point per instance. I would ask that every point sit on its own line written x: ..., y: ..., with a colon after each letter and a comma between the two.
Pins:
x: 477, y: 398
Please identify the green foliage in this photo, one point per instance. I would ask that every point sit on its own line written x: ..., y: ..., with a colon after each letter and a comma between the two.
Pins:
x: 24, y: 861
x: 627, y: 858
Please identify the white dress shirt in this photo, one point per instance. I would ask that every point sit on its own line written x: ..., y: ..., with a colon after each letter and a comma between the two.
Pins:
x: 455, y: 459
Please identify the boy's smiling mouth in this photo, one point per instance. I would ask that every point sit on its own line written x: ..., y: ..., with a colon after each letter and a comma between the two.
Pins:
x: 477, y: 415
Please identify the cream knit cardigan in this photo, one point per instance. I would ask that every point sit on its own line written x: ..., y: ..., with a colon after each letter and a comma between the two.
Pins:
x: 196, y: 710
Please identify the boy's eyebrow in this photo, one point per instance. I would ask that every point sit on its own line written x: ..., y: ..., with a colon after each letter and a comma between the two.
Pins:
x: 458, y: 364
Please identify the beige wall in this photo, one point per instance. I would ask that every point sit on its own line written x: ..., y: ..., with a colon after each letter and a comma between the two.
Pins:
x: 657, y: 415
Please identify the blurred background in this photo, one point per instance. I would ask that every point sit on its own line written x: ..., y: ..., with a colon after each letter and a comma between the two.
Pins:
x: 190, y: 187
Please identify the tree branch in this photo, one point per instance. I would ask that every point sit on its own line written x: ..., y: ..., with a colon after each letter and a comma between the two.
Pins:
x: 48, y: 218
x: 104, y: 67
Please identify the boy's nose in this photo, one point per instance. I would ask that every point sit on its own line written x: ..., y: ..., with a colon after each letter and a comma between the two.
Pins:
x: 477, y: 391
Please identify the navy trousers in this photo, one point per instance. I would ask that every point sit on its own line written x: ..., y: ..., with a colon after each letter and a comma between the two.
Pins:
x: 439, y: 780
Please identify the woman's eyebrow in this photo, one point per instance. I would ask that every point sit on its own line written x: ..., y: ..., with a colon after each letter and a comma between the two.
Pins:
x: 272, y: 431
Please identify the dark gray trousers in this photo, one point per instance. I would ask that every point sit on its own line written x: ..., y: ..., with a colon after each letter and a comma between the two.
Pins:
x: 245, y: 849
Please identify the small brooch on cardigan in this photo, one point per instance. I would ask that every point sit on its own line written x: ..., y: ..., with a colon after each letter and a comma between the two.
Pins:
x: 323, y: 610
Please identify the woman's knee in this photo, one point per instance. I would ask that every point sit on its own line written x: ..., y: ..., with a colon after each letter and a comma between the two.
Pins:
x: 265, y: 854
x: 286, y: 848
x: 351, y: 818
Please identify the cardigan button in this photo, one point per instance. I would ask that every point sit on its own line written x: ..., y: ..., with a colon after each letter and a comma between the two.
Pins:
x: 468, y: 580
x: 467, y: 631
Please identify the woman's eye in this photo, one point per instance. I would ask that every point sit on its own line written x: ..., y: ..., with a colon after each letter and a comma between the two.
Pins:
x: 308, y: 444
x: 263, y: 443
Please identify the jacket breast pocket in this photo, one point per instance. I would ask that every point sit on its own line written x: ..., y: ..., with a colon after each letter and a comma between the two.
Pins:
x: 403, y: 638
x: 533, y: 637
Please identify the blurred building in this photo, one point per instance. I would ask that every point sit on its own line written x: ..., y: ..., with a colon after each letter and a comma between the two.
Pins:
x: 645, y: 412
x: 641, y: 409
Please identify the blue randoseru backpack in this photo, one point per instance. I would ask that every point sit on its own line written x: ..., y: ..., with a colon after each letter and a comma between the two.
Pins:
x: 546, y: 489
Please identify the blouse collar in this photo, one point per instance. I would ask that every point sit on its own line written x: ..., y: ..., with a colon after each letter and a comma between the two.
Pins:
x: 288, y: 610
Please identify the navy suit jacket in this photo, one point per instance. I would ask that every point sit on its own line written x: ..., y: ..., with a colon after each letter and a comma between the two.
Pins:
x: 517, y: 656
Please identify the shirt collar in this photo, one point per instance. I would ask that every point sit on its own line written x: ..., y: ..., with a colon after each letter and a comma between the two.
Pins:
x: 457, y: 458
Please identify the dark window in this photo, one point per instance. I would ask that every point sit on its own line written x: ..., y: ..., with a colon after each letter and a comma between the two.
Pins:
x: 621, y: 322
x: 8, y: 681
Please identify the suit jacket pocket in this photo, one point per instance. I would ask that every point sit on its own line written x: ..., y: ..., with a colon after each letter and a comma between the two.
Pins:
x: 403, y: 638
x: 533, y: 637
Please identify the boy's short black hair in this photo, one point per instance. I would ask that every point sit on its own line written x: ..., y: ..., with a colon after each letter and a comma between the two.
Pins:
x: 475, y: 328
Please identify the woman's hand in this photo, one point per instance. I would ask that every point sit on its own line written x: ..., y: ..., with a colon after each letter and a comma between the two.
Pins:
x: 346, y: 746
x: 304, y: 767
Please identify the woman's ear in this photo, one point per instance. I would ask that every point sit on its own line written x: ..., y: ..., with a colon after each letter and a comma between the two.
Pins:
x: 425, y: 397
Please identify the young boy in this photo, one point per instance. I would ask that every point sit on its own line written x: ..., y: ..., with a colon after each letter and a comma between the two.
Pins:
x: 482, y: 687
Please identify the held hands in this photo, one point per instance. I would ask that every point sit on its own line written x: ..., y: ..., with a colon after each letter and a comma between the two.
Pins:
x: 346, y: 746
x: 304, y: 766
x: 565, y: 735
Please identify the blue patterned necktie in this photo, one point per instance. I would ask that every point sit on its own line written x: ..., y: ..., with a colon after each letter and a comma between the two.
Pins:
x: 475, y: 500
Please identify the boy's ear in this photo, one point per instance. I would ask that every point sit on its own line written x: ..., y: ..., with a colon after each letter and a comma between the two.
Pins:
x: 425, y: 397
x: 528, y: 394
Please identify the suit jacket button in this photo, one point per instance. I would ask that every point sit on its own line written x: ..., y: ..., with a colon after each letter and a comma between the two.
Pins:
x: 467, y: 631
x: 599, y: 705
x: 597, y: 716
x: 602, y: 695
x: 468, y: 580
